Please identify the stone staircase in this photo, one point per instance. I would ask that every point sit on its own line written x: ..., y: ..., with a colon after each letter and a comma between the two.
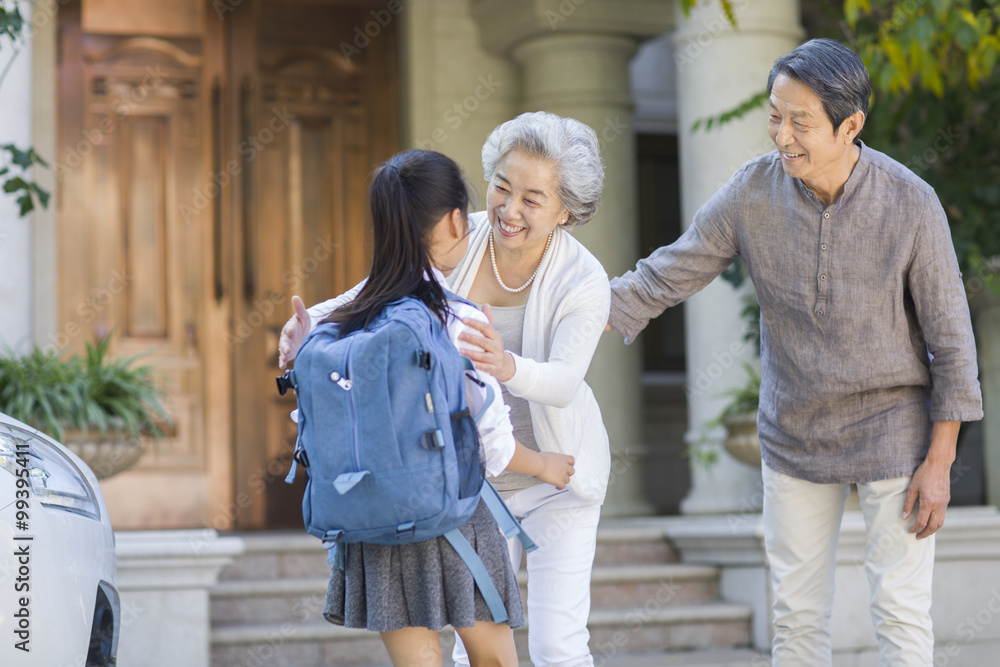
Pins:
x: 647, y: 608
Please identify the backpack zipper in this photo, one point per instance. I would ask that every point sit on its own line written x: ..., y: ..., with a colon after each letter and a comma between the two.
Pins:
x: 351, y: 407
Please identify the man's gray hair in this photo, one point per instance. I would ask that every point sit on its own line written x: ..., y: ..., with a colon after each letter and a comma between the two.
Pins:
x: 568, y: 144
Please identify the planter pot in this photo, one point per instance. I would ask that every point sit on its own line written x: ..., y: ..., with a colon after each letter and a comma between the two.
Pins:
x: 741, y: 438
x: 106, y: 453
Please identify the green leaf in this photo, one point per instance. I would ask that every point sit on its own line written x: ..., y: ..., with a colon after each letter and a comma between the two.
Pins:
x: 11, y: 22
x: 988, y: 58
x: 14, y: 184
x: 963, y: 28
x: 727, y: 9
x: 941, y: 8
x: 852, y: 10
x: 43, y: 195
x: 756, y: 101
x: 930, y: 76
x: 20, y: 158
x: 27, y: 205
x: 924, y: 30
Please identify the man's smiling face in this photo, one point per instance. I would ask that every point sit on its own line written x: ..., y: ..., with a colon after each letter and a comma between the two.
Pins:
x: 803, y: 133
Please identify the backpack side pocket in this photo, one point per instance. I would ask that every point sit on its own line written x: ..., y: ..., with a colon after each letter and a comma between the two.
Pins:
x: 470, y: 467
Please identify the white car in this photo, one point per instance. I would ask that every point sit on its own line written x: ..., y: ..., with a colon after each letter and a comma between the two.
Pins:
x: 59, y: 606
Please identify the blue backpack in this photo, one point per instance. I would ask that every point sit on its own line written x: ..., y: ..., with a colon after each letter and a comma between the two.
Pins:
x: 387, y: 439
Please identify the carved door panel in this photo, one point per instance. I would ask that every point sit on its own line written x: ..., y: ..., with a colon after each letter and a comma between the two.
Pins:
x: 131, y: 260
x: 307, y: 127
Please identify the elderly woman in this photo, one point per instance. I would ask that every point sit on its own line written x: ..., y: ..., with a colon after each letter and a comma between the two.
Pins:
x: 548, y: 299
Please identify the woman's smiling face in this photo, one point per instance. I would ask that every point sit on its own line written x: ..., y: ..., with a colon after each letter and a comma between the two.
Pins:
x: 523, y: 203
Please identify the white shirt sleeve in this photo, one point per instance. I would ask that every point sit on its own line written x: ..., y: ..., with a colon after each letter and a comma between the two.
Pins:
x: 574, y: 340
x: 496, y: 434
x: 321, y: 310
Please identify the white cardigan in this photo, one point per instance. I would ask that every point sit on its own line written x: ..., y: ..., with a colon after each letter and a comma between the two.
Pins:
x: 565, y: 316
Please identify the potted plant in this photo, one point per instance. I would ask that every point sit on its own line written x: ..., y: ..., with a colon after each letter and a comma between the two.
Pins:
x: 739, y: 416
x: 95, y: 405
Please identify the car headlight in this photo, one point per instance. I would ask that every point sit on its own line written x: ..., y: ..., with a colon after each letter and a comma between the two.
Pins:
x: 55, y: 480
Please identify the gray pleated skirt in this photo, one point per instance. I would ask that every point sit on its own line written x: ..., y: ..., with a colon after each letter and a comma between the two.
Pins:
x: 424, y: 584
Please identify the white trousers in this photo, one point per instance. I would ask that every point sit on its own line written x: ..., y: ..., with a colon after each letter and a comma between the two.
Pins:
x: 564, y: 527
x: 801, y: 527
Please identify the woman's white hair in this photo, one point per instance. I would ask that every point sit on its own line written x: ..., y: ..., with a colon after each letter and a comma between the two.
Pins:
x: 568, y: 144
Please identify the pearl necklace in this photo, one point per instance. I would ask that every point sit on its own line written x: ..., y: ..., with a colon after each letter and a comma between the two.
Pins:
x: 496, y: 272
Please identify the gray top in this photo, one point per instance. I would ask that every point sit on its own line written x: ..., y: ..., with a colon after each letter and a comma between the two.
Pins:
x: 865, y: 331
x: 509, y: 323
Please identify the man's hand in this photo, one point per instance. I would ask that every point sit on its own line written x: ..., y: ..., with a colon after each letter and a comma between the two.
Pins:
x: 293, y: 333
x: 930, y: 492
x: 930, y: 486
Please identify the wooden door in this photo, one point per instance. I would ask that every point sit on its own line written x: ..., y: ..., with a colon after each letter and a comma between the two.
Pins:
x: 133, y: 237
x: 308, y: 124
x: 214, y: 164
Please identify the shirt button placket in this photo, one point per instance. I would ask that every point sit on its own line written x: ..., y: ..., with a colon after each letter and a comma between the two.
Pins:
x: 821, y: 308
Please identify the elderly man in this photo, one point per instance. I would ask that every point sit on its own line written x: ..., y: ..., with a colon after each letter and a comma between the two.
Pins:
x: 869, y: 361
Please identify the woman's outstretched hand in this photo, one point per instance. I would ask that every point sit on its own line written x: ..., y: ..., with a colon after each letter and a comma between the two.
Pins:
x: 293, y: 333
x: 488, y: 354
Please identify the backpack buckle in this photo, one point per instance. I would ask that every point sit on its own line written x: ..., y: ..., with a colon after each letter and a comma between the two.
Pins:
x: 405, y: 532
x: 301, y: 456
x: 285, y: 382
x: 433, y: 440
x: 424, y: 359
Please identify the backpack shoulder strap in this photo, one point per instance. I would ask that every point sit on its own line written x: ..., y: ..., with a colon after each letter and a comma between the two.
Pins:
x: 468, y: 367
x: 479, y: 574
x: 510, y: 527
x: 508, y: 524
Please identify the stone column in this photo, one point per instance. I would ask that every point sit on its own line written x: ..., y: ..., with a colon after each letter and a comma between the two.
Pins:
x: 44, y: 70
x: 986, y: 314
x: 574, y: 58
x: 717, y: 68
x: 15, y: 231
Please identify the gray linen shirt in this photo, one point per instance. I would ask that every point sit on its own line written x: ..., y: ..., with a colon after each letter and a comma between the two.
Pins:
x: 866, y: 337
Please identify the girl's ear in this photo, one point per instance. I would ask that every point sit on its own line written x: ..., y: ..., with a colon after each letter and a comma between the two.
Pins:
x: 457, y: 224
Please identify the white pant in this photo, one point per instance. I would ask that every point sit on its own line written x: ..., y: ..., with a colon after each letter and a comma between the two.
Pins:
x: 564, y: 527
x: 801, y: 527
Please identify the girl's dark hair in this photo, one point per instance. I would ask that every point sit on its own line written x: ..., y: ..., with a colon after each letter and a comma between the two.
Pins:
x: 409, y: 193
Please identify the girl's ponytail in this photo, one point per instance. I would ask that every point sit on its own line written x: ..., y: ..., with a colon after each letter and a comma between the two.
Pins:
x: 408, y: 195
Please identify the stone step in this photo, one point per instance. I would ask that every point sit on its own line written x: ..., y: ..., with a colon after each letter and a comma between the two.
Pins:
x: 622, y: 587
x: 638, y: 586
x: 636, y: 540
x: 297, y: 554
x: 697, y: 658
x: 614, y: 633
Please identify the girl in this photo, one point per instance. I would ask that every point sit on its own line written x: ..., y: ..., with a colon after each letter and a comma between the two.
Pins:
x: 549, y: 298
x: 419, y: 205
